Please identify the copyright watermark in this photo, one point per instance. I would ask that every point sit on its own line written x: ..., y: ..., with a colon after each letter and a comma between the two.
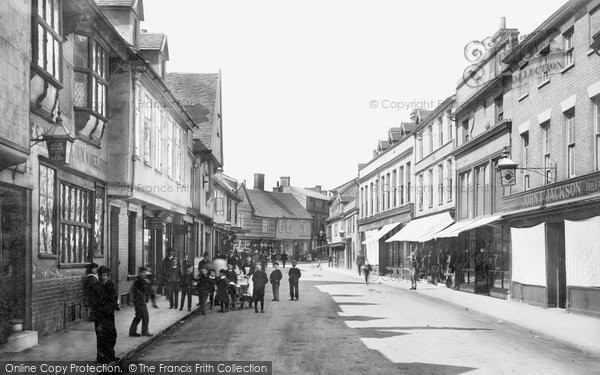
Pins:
x: 399, y: 105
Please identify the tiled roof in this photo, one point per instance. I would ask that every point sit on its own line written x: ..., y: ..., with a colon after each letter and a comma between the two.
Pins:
x: 152, y: 41
x: 115, y: 3
x: 197, y: 93
x: 276, y: 205
x: 310, y: 193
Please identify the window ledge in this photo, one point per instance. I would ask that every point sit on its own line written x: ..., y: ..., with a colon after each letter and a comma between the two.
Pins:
x: 521, y: 98
x: 590, y: 52
x: 147, y: 164
x: 543, y: 84
x: 567, y: 68
x: 46, y: 76
x: 47, y: 256
x: 76, y: 265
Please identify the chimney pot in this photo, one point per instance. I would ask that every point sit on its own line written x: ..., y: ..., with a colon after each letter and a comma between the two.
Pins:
x: 502, y: 22
x: 259, y: 181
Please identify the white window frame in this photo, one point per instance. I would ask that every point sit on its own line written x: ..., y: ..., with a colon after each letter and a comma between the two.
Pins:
x: 569, y: 45
x: 596, y: 105
x: 570, y: 132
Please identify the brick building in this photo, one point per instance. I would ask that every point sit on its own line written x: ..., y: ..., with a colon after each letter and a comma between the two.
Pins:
x: 314, y: 200
x: 554, y: 206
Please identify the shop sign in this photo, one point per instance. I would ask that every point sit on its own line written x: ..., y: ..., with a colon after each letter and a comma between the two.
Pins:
x: 154, y: 223
x: 180, y: 229
x: 555, y: 193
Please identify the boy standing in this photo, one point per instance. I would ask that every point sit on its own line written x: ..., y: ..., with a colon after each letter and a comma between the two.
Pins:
x: 260, y: 280
x: 275, y: 279
x: 173, y: 277
x: 294, y: 275
x: 142, y: 291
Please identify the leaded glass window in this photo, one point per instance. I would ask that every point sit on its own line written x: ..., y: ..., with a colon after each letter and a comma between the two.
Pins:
x: 47, y: 210
x: 76, y: 206
x: 98, y: 240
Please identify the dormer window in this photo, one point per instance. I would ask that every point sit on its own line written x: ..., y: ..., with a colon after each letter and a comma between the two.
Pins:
x: 47, y: 47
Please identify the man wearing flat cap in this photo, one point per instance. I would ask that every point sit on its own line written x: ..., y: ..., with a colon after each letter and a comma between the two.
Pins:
x: 142, y: 291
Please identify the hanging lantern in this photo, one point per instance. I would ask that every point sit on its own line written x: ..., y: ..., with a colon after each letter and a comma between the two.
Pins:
x: 58, y: 142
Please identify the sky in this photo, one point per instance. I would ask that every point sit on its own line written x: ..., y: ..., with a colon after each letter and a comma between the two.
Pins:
x: 310, y: 86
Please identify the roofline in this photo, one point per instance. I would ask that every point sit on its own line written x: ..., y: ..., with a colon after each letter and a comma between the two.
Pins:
x: 406, y: 137
x: 541, y: 31
x: 435, y: 112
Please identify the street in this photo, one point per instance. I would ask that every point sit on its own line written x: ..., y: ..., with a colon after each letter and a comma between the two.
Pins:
x: 342, y: 326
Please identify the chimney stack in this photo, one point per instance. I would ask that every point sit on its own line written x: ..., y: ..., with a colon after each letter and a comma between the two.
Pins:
x: 318, y: 188
x: 285, y: 181
x: 502, y: 23
x: 259, y: 181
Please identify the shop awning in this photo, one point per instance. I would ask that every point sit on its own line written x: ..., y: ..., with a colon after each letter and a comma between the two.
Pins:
x: 454, y: 229
x: 383, y: 231
x: 423, y: 229
x: 465, y: 225
x: 481, y: 222
x: 369, y: 236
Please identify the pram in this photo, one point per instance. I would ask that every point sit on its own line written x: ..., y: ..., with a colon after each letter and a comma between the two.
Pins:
x: 243, y: 295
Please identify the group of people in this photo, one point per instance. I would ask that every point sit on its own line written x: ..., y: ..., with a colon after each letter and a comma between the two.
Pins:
x: 101, y: 298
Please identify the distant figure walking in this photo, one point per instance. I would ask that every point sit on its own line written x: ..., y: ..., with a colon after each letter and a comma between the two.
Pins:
x: 360, y: 261
x: 294, y: 275
x: 222, y: 288
x: 413, y: 269
x: 367, y: 269
x: 205, y: 286
x: 284, y: 259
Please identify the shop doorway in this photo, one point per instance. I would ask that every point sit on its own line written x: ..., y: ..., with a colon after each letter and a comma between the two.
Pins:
x: 12, y: 258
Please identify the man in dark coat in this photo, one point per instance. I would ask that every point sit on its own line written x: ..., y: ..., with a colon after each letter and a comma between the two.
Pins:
x: 105, y: 306
x: 205, y: 286
x: 166, y: 264
x: 275, y: 278
x: 204, y: 262
x: 142, y: 291
x: 173, y: 278
x: 284, y: 259
x: 260, y: 280
x: 360, y: 261
x: 294, y: 275
x: 187, y: 285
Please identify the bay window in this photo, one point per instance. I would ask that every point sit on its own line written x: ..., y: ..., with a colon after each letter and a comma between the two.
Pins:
x: 47, y: 40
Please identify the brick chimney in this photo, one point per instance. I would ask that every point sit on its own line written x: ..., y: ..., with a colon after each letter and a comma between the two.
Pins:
x: 259, y: 181
x: 318, y: 188
x: 285, y: 181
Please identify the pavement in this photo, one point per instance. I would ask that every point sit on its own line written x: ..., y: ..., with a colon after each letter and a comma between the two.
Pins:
x: 582, y: 332
x: 78, y: 342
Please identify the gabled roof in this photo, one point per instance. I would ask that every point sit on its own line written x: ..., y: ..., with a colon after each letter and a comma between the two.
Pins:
x: 276, y: 205
x: 154, y: 42
x: 348, y: 188
x: 198, y: 92
x: 382, y: 145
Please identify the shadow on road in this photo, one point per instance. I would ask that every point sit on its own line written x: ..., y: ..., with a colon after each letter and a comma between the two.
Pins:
x: 431, y: 368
